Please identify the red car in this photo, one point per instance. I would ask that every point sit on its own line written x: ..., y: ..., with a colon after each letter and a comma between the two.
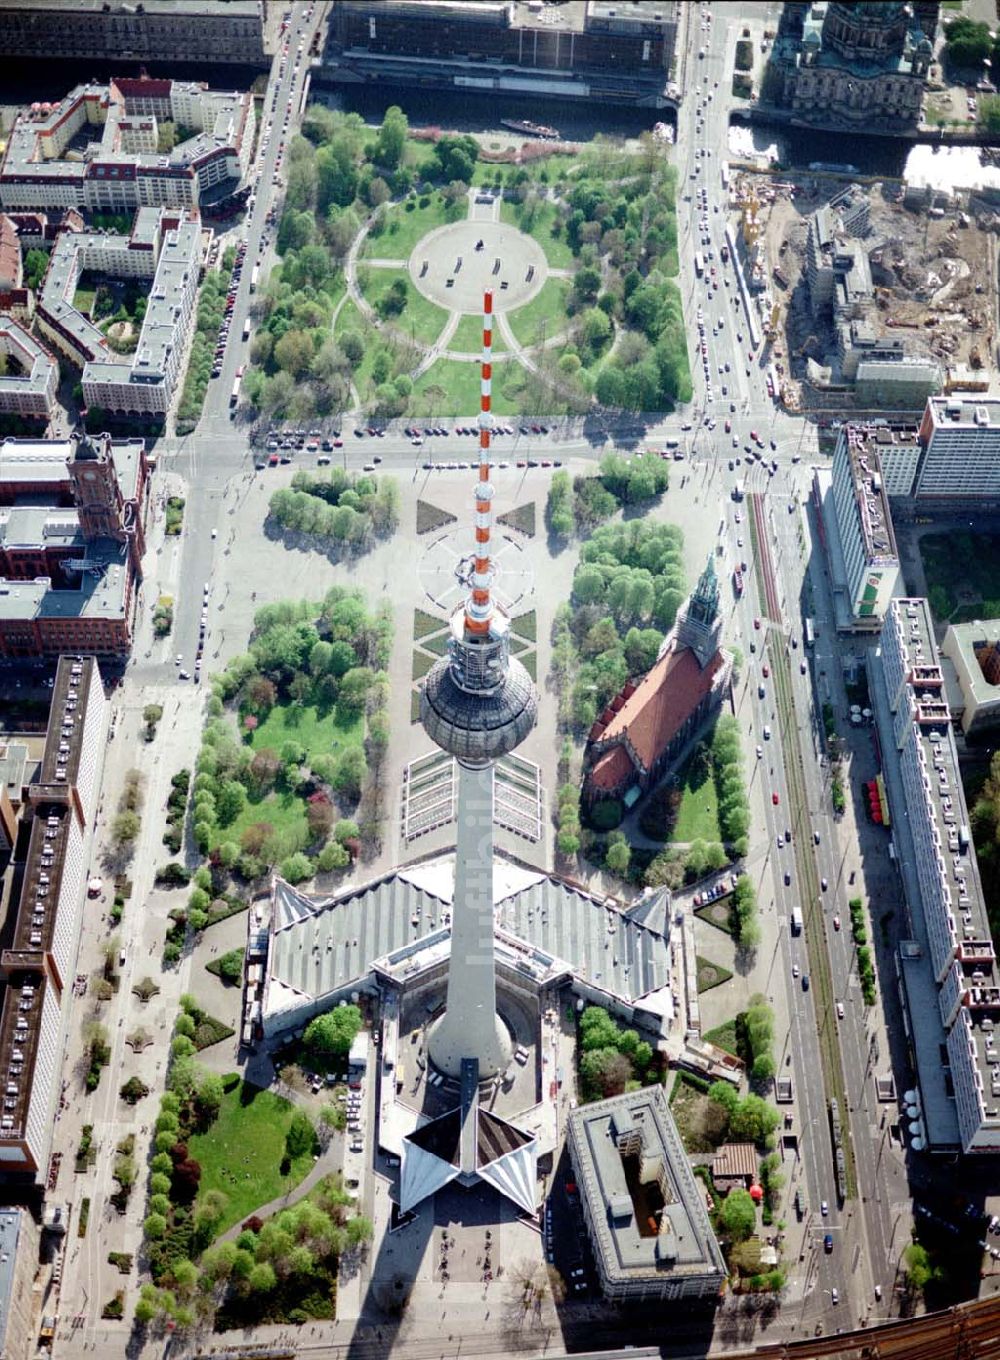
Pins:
x: 756, y: 624
x: 766, y: 671
x: 775, y: 799
x: 729, y: 426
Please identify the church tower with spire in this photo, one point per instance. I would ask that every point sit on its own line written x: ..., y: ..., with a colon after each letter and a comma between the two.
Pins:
x: 699, y: 621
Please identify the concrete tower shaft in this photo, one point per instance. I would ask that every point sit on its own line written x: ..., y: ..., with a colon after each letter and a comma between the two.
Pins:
x: 477, y: 704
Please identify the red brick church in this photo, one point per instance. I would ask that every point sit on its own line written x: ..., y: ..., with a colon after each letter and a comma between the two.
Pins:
x: 647, y: 726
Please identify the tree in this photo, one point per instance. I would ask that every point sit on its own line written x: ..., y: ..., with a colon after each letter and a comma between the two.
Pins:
x: 301, y: 1136
x: 753, y: 1119
x: 155, y: 1227
x: 333, y: 1033
x: 619, y: 856
x: 392, y: 135
x: 597, y: 1029
x: 738, y: 1215
x: 262, y: 1278
x: 917, y: 1266
x: 378, y: 192
x: 604, y: 1072
x: 133, y: 1090
x: 36, y: 262
x: 294, y: 353
x: 125, y: 828
x: 208, y: 1094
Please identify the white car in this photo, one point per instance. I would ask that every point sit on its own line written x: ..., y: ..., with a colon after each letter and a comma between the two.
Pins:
x: 840, y: 1010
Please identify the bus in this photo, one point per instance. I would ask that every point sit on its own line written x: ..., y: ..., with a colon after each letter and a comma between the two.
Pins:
x: 254, y: 278
x: 234, y: 396
x: 246, y: 329
x: 737, y: 582
x: 810, y: 632
x: 699, y: 263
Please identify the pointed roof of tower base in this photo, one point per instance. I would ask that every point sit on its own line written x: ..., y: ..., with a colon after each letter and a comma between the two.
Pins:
x: 505, y: 1156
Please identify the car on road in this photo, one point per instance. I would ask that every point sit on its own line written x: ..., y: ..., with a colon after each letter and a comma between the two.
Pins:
x: 840, y: 1010
x: 805, y: 982
x: 788, y: 879
x: 802, y: 667
x: 836, y: 923
x: 824, y: 1208
x: 795, y: 970
x: 775, y: 799
x: 760, y: 752
x: 834, y: 1295
x: 765, y: 671
x: 756, y: 624
x: 828, y: 1243
x: 184, y: 675
x: 823, y: 884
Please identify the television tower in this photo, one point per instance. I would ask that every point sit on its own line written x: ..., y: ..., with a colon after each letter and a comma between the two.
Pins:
x: 478, y: 703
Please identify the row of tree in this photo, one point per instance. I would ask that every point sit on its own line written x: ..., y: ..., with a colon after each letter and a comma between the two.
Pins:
x: 587, y: 502
x: 612, y: 1059
x: 209, y: 316
x: 339, y: 509
x: 727, y: 771
x: 626, y: 593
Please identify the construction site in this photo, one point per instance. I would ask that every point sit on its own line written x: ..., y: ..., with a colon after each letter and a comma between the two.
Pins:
x: 870, y: 296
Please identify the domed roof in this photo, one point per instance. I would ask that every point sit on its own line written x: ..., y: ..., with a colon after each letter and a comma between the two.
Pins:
x: 482, y: 726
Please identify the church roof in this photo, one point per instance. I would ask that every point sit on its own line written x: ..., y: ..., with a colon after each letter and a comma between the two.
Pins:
x: 660, y: 706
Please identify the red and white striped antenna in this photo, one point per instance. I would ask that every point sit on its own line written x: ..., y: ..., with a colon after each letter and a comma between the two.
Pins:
x: 479, y: 606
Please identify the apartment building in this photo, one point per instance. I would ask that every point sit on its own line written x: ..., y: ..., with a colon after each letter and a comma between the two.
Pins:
x: 29, y: 385
x: 96, y: 149
x: 864, y: 527
x: 214, y: 31
x: 40, y: 960
x: 948, y: 970
x: 163, y: 246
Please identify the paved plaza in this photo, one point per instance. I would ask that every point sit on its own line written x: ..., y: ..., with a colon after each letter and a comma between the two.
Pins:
x: 454, y: 265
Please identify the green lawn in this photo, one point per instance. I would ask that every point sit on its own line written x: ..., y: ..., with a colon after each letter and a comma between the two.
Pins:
x: 83, y: 299
x: 557, y: 252
x: 547, y: 309
x: 710, y: 974
x: 318, y: 732
x: 404, y: 229
x: 698, y: 815
x: 422, y: 319
x: 468, y: 337
x: 724, y: 1036
x: 241, y: 1153
x: 460, y: 382
x: 286, y: 813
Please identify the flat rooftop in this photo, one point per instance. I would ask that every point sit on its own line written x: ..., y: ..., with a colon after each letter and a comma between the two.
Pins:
x: 646, y: 1208
x: 968, y: 921
x: 870, y: 496
x: 964, y: 413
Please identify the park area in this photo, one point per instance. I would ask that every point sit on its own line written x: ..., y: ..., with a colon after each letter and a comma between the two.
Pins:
x: 402, y: 210
x: 963, y: 575
x: 242, y: 1154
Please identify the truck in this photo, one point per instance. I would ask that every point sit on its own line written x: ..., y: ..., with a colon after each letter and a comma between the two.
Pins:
x: 796, y: 920
x: 724, y: 252
x: 699, y: 263
x: 254, y: 278
x: 246, y: 330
